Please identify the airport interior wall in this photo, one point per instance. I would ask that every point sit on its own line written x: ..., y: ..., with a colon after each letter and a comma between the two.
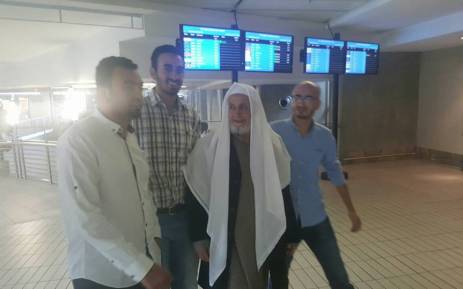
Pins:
x: 74, y: 63
x: 440, y: 108
x: 379, y: 112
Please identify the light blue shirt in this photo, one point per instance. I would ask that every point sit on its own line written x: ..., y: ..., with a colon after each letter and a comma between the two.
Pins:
x: 308, y: 152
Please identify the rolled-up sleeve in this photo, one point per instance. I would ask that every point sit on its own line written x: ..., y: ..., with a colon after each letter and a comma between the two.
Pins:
x: 331, y: 163
x: 78, y: 182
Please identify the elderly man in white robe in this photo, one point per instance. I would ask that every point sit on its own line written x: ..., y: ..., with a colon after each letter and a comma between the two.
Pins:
x: 242, y: 219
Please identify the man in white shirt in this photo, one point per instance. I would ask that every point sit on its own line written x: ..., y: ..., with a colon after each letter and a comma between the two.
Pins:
x: 109, y: 215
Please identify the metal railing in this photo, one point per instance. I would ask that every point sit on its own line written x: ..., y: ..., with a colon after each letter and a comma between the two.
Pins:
x: 30, y: 160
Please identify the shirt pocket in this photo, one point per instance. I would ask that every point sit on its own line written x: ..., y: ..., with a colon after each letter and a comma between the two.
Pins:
x: 184, y: 146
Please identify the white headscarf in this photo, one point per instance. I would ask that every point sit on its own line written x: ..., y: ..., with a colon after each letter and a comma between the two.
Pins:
x: 207, y: 174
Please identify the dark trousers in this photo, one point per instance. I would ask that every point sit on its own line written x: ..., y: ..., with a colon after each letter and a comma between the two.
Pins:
x: 87, y: 284
x: 322, y: 241
x: 278, y: 266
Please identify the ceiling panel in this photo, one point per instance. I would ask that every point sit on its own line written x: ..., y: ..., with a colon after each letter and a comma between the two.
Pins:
x: 307, y: 10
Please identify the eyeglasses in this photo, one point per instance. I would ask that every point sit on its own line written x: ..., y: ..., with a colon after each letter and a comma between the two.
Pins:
x: 304, y: 98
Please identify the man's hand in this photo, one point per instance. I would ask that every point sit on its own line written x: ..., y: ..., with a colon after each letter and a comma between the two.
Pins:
x: 356, y: 222
x: 354, y: 218
x: 292, y: 247
x: 157, y: 278
x: 202, y: 250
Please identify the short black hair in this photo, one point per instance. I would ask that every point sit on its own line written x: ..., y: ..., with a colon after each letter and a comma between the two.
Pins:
x: 167, y: 48
x: 106, y: 66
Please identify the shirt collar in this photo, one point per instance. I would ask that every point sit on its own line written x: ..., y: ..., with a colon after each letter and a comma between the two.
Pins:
x: 154, y: 97
x: 114, y: 127
x: 156, y: 100
x: 290, y: 120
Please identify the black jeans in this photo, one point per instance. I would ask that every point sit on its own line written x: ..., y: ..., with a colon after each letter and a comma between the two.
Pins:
x: 87, y: 284
x: 278, y: 266
x: 322, y: 241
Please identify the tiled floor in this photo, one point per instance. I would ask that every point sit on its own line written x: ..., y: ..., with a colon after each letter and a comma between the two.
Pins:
x: 412, y: 236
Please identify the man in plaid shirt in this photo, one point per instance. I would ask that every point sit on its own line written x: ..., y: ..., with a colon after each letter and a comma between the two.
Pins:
x: 167, y: 131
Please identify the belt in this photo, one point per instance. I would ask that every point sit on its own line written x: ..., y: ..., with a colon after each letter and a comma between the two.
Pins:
x: 173, y: 210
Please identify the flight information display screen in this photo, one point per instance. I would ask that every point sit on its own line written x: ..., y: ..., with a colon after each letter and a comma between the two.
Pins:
x: 324, y: 56
x: 362, y: 58
x: 210, y: 48
x: 266, y: 52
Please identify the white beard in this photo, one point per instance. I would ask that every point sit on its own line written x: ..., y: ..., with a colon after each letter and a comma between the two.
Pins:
x: 239, y: 130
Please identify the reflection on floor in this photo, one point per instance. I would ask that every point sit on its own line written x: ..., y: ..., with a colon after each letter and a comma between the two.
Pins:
x: 412, y: 236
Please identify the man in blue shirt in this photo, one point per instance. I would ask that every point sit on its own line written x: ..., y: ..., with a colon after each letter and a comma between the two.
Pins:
x: 311, y: 144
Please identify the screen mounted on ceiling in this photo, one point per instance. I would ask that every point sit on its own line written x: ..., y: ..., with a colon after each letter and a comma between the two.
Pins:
x: 265, y: 52
x: 362, y: 58
x: 211, y: 48
x: 324, y: 56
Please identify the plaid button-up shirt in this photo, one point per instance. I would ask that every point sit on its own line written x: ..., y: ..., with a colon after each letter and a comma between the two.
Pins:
x: 167, y: 138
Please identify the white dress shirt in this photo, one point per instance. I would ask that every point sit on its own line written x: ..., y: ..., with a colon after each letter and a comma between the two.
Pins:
x: 109, y: 214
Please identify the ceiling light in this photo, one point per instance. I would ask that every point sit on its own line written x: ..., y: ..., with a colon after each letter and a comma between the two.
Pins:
x: 28, y: 93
